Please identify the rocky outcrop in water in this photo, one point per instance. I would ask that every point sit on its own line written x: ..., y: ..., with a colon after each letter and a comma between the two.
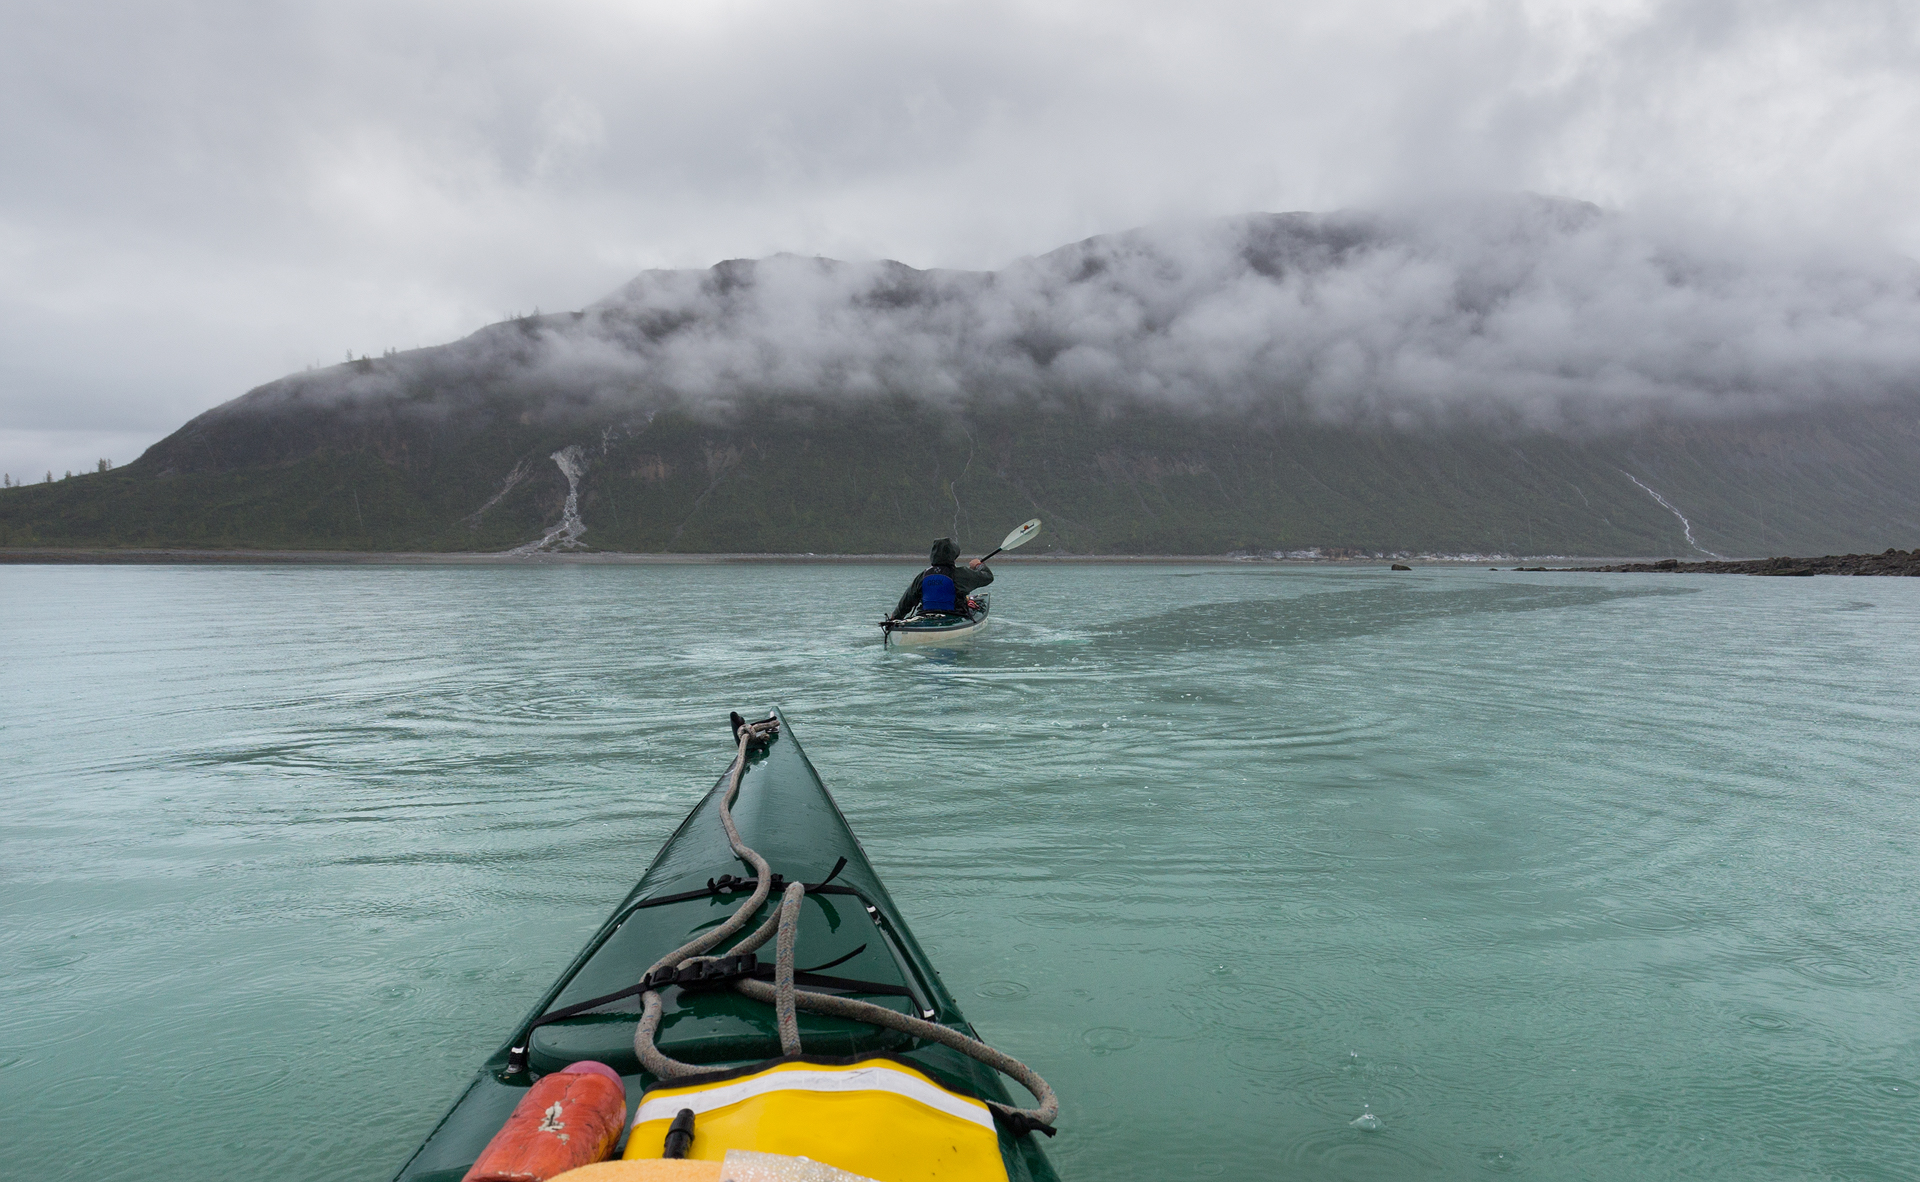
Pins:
x: 1887, y: 562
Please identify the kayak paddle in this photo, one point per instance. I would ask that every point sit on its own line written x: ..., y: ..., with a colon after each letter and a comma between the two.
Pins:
x: 1018, y: 537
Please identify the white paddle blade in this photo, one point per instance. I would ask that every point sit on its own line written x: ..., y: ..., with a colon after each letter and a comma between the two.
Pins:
x: 1019, y: 536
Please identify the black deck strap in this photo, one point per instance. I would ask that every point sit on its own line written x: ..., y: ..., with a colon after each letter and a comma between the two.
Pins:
x: 517, y: 1053
x: 847, y: 984
x: 727, y: 884
x: 853, y: 986
x: 836, y: 960
x: 703, y: 974
x: 581, y: 1007
x: 825, y: 886
x: 682, y: 897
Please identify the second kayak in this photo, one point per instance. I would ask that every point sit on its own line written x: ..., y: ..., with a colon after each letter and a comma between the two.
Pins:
x: 940, y: 629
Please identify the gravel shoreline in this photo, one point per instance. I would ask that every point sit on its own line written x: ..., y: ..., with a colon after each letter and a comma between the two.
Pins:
x: 1887, y: 562
x: 51, y: 555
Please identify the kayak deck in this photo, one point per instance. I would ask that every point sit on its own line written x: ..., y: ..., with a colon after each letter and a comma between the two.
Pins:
x: 850, y: 931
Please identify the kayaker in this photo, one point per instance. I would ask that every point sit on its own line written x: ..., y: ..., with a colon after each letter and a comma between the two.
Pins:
x: 943, y: 587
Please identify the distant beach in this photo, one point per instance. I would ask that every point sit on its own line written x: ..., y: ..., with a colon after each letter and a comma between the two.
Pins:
x: 109, y: 556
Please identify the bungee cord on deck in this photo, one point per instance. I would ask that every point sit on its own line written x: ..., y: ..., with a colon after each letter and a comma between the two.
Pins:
x: 783, y: 927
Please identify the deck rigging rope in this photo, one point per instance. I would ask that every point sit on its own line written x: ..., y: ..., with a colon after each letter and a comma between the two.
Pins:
x: 783, y: 992
x: 783, y: 927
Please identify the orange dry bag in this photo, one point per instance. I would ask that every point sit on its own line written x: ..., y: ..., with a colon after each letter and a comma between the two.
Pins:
x: 570, y: 1118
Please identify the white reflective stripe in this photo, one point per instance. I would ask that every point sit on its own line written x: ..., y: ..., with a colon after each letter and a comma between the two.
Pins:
x: 862, y: 1079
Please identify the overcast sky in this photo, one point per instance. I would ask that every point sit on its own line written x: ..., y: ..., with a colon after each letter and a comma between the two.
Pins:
x: 199, y: 197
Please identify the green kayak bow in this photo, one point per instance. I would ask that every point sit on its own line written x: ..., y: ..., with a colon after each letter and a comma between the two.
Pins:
x: 853, y: 940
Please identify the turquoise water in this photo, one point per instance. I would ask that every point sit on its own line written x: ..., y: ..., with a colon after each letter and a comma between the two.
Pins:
x: 1552, y: 876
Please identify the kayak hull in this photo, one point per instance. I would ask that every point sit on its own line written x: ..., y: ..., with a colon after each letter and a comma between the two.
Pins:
x: 939, y: 631
x: 786, y: 813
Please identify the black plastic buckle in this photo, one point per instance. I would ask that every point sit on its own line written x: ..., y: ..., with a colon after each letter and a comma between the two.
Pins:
x: 726, y: 884
x: 707, y: 974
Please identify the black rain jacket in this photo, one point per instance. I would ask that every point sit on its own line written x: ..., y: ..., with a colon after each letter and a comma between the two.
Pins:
x: 943, y: 555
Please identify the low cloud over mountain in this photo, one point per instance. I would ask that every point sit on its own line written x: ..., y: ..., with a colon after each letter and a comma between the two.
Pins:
x: 1517, y: 376
x: 1538, y: 313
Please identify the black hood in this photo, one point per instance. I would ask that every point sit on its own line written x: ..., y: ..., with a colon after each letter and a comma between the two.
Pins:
x: 944, y: 552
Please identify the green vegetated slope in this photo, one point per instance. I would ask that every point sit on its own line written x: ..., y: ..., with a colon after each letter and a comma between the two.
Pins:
x: 796, y: 476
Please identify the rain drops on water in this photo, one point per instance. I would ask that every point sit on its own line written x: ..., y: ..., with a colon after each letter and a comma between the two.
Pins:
x: 1366, y: 1122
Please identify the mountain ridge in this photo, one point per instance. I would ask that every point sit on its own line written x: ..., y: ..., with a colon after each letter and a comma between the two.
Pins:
x: 1264, y: 383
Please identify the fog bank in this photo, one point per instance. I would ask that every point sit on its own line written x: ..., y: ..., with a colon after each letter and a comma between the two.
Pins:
x: 1525, y: 311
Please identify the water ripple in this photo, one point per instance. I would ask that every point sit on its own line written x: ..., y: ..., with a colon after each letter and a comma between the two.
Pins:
x: 1553, y: 878
x: 1347, y: 1154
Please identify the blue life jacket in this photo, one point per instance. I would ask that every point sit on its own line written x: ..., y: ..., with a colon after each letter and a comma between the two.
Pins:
x: 938, y: 594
